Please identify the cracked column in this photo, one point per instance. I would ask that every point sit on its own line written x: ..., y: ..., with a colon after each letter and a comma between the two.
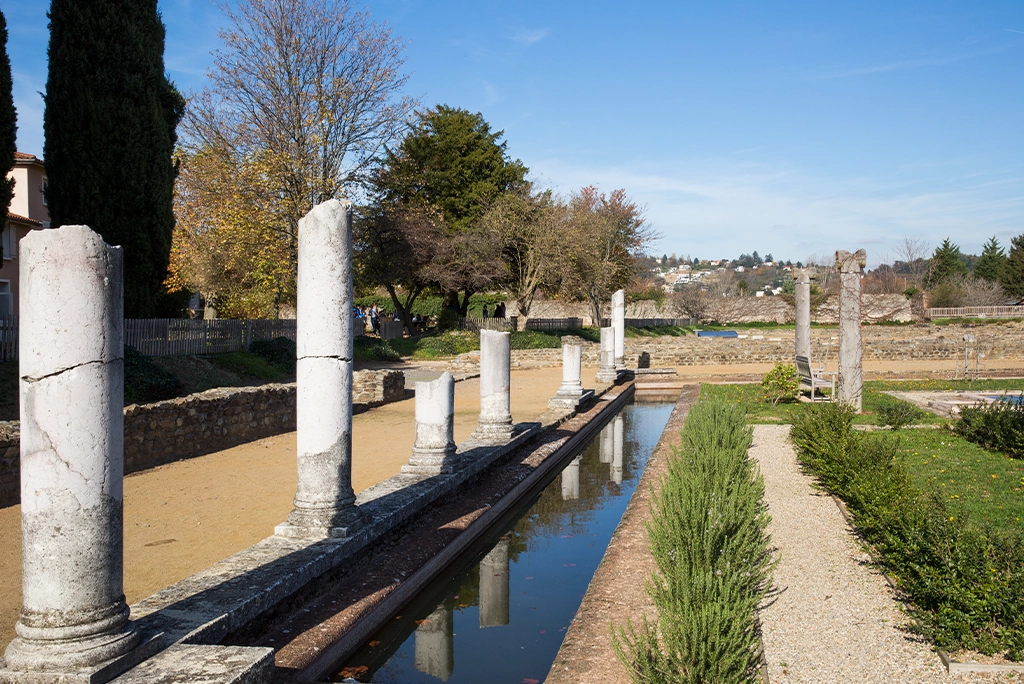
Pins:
x: 606, y: 372
x: 618, y: 437
x: 435, y: 644
x: 324, y: 503
x: 495, y: 423
x: 73, y: 617
x: 494, y: 597
x: 803, y: 313
x: 571, y: 480
x: 434, y: 450
x: 851, y: 353
x: 619, y: 325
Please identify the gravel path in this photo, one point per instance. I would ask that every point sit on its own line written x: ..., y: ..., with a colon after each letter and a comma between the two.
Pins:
x: 836, y: 619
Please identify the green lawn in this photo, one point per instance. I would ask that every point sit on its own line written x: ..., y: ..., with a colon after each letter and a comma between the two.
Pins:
x: 989, y: 486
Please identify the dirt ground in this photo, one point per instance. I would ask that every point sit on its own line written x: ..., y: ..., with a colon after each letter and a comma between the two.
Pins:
x: 185, y: 516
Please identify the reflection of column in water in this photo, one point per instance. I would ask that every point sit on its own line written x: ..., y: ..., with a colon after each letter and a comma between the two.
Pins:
x: 571, y: 480
x: 607, y: 440
x: 620, y: 426
x: 435, y: 645
x: 494, y: 586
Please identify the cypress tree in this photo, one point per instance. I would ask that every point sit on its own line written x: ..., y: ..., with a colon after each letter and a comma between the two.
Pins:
x: 991, y: 262
x: 945, y: 263
x: 1013, y: 273
x: 110, y: 124
x: 8, y: 122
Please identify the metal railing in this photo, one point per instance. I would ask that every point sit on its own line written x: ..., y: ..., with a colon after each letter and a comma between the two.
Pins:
x: 975, y: 312
x: 554, y: 323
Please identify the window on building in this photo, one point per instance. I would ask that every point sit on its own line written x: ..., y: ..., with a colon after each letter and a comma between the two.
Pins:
x: 42, y: 189
x: 6, y: 303
x: 10, y: 241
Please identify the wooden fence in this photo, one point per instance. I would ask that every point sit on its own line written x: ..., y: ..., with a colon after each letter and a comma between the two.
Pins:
x: 184, y: 337
x: 975, y: 312
x: 509, y: 324
x: 554, y: 323
x: 650, y: 322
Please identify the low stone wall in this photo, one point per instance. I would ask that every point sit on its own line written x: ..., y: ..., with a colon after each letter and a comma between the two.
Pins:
x: 202, y: 423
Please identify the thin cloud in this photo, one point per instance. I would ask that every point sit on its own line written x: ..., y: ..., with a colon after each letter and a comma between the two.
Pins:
x: 530, y: 37
x: 909, y: 63
x: 1014, y: 31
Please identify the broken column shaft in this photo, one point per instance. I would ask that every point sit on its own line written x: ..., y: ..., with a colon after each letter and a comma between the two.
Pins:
x: 495, y: 422
x: 324, y: 502
x: 803, y: 314
x: 606, y: 372
x: 619, y: 324
x: 71, y: 362
x: 851, y: 353
x: 434, y: 450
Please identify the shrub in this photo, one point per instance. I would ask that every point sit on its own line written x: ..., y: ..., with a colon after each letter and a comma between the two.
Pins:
x: 535, y: 339
x: 780, y: 383
x: 898, y: 414
x: 965, y: 582
x: 708, y: 533
x: 145, y: 381
x: 251, y: 365
x: 996, y: 426
x: 372, y: 349
x: 279, y: 352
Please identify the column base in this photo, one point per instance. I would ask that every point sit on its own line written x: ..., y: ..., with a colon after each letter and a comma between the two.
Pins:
x: 320, y: 524
x: 426, y: 462
x: 99, y: 673
x: 607, y: 375
x: 493, y: 433
x: 569, y: 401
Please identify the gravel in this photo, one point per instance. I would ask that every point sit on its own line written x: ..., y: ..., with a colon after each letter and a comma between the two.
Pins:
x: 835, y: 618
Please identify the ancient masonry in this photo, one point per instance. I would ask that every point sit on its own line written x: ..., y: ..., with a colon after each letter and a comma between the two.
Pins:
x: 619, y: 326
x: 803, y: 314
x: 74, y: 624
x: 851, y: 352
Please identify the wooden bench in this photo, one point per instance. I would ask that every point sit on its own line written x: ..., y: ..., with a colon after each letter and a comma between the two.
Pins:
x: 814, y: 378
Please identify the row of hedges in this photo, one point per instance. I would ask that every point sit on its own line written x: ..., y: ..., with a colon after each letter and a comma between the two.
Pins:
x: 964, y: 579
x: 709, y: 537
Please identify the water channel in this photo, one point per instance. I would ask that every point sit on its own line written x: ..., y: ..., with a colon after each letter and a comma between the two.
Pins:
x: 501, y: 613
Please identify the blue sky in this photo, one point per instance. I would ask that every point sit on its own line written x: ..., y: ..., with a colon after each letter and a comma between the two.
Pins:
x: 785, y: 127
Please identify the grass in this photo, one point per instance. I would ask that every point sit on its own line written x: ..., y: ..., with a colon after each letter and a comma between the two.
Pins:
x: 660, y: 331
x: 251, y: 365
x: 974, y: 321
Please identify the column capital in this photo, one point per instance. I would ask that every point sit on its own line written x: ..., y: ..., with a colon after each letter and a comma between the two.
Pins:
x: 848, y: 262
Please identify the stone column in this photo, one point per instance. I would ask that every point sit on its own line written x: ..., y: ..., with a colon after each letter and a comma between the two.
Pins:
x: 607, y: 373
x: 607, y: 444
x: 324, y: 503
x: 851, y: 353
x: 494, y: 597
x: 434, y: 450
x: 495, y: 423
x: 619, y: 324
x: 803, y: 313
x: 570, y: 392
x: 571, y: 480
x: 435, y: 644
x: 618, y: 437
x: 73, y: 614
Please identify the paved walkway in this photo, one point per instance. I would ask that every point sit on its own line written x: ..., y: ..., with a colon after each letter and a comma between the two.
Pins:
x: 836, y: 619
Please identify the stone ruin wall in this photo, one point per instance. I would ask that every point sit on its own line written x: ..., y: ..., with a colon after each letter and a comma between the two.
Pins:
x: 874, y: 309
x: 202, y: 423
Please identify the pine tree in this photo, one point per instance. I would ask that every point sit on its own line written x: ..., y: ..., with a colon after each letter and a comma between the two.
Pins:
x: 1013, y: 272
x: 944, y: 264
x: 110, y: 124
x: 991, y: 262
x: 8, y: 122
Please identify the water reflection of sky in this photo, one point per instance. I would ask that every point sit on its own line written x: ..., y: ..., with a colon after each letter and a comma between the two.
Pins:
x: 504, y: 618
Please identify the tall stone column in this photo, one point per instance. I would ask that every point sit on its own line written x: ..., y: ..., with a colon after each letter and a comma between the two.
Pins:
x: 494, y: 598
x: 571, y: 480
x: 619, y: 435
x: 74, y: 616
x: 435, y: 644
x: 606, y: 446
x: 325, y: 502
x: 434, y: 450
x: 495, y: 423
x: 851, y: 353
x: 803, y: 313
x: 619, y: 324
x: 607, y: 373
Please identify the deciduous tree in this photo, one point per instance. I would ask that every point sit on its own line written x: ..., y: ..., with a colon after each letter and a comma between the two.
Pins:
x: 110, y: 122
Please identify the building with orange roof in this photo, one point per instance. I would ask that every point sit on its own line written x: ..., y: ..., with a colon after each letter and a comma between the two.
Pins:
x: 27, y: 212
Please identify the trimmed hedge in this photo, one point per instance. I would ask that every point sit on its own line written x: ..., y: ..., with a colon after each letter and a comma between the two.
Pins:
x: 964, y: 579
x: 709, y: 537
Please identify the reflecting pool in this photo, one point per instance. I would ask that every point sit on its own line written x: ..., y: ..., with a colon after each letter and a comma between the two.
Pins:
x: 501, y: 615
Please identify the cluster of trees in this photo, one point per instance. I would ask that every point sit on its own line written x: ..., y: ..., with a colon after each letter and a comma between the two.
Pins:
x: 955, y: 279
x: 441, y: 206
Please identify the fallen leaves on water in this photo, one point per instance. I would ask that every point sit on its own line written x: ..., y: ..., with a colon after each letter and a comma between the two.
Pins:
x: 354, y: 672
x: 374, y: 644
x: 528, y: 680
x: 424, y: 622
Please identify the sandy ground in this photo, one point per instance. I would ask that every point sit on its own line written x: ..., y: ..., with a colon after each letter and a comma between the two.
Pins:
x: 185, y: 516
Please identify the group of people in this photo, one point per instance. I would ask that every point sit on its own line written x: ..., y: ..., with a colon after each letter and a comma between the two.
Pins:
x: 499, y: 311
x: 374, y: 314
x: 361, y: 313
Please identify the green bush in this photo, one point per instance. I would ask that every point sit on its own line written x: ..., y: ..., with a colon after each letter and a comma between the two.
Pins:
x: 537, y: 339
x: 373, y: 349
x: 780, y: 383
x: 996, y: 426
x: 897, y: 414
x: 965, y: 582
x: 250, y: 365
x: 708, y: 533
x: 436, y: 346
x: 279, y: 352
x: 144, y: 381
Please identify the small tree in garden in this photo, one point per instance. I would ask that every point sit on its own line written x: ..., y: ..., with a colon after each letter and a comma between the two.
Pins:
x: 780, y: 383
